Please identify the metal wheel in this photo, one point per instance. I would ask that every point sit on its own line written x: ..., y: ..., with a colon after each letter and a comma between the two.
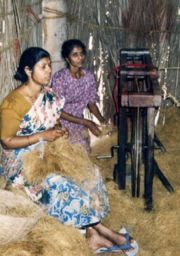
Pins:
x: 136, y: 151
x: 149, y: 160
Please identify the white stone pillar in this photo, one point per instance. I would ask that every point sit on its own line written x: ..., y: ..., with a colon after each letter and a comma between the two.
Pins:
x: 54, y: 29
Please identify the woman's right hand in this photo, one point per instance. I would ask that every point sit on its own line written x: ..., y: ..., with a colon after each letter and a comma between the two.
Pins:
x: 93, y: 127
x: 53, y: 134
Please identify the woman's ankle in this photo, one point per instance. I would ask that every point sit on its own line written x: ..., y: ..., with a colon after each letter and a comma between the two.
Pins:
x: 96, y: 241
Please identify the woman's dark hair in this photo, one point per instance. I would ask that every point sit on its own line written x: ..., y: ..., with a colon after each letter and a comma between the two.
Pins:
x: 28, y: 59
x: 69, y: 45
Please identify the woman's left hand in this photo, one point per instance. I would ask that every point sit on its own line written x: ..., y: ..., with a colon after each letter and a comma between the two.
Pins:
x: 62, y: 132
x: 65, y: 132
x: 93, y: 127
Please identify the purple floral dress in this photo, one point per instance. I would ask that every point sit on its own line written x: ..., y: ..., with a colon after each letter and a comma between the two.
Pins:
x: 78, y: 93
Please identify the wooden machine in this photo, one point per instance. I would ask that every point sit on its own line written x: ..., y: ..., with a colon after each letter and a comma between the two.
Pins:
x: 137, y: 94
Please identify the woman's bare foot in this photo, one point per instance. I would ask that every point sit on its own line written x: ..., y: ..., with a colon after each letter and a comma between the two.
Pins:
x: 95, y: 240
x: 109, y: 234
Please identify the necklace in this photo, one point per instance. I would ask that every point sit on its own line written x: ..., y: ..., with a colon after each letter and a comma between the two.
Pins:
x: 31, y: 98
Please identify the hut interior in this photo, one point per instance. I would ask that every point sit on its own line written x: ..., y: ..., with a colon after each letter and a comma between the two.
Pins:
x: 105, y: 26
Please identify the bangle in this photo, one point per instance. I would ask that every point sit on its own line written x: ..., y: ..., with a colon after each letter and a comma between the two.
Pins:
x: 28, y: 141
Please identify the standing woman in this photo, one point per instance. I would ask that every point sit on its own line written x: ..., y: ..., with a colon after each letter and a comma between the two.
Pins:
x: 78, y: 86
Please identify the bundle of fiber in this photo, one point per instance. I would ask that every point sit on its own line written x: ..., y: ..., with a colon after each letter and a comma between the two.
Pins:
x: 59, y: 157
x: 18, y: 216
x: 62, y: 158
x: 2, y: 182
x: 49, y: 238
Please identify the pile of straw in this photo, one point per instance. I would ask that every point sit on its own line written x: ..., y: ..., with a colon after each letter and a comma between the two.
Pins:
x: 17, y: 217
x: 27, y: 231
x: 49, y: 238
x: 59, y: 157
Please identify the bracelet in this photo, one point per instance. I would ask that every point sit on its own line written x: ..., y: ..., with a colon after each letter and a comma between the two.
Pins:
x: 28, y: 141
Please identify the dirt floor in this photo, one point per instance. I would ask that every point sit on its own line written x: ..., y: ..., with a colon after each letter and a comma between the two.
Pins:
x: 157, y: 232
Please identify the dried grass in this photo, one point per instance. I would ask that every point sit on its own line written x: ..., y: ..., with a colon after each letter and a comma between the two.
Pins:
x: 2, y: 182
x: 49, y: 238
x: 18, y: 216
x: 22, y: 235
x: 58, y: 157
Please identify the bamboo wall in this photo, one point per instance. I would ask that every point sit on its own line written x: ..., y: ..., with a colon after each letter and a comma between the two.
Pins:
x: 114, y: 24
x: 20, y: 27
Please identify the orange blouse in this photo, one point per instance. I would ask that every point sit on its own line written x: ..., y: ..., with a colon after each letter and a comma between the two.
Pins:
x: 12, y: 110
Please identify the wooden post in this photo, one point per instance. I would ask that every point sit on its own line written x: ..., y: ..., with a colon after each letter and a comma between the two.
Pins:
x: 54, y: 30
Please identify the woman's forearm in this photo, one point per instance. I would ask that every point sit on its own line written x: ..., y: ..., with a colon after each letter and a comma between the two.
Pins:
x: 93, y: 127
x: 25, y: 141
x: 21, y: 141
x: 95, y: 111
x: 73, y: 119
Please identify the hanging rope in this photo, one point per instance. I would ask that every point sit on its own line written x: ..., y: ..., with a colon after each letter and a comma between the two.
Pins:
x: 20, y: 10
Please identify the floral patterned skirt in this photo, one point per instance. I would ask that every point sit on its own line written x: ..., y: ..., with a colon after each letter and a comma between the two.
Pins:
x: 71, y: 205
x: 63, y: 199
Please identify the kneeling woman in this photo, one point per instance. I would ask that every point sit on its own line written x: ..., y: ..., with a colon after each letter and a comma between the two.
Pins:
x: 28, y: 116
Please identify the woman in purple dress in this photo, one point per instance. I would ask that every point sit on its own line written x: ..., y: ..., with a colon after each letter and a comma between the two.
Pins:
x: 78, y: 86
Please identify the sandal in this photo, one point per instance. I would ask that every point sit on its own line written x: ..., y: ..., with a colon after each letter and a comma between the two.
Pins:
x: 132, y: 252
x: 127, y: 237
x: 115, y: 248
x: 130, y: 249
